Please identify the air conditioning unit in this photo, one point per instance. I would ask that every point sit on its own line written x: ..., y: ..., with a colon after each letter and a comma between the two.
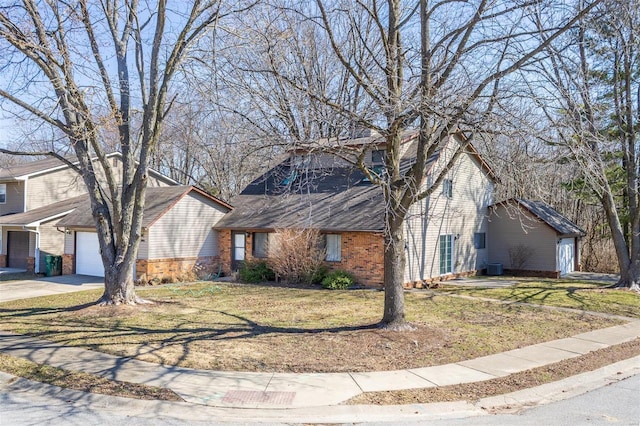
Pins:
x: 494, y: 268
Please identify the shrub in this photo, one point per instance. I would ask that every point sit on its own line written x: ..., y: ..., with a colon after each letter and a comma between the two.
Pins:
x: 338, y: 280
x: 520, y: 255
x: 256, y: 272
x: 320, y: 274
x: 296, y: 255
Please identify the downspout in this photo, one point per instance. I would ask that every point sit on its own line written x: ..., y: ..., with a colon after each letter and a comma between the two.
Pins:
x: 24, y: 195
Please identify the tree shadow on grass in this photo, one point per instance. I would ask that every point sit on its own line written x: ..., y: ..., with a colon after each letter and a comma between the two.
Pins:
x: 535, y: 295
x: 88, y: 334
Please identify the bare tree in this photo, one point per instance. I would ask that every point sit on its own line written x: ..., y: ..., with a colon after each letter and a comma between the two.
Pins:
x: 594, y: 107
x: 208, y: 147
x: 83, y: 68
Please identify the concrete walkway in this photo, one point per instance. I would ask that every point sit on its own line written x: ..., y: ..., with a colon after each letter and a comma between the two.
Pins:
x: 25, y: 289
x: 288, y: 391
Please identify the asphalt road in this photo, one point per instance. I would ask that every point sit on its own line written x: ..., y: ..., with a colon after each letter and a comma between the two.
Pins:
x: 615, y: 404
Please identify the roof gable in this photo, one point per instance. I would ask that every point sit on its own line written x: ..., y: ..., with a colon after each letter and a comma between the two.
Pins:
x: 52, y: 164
x: 158, y: 201
x: 547, y: 214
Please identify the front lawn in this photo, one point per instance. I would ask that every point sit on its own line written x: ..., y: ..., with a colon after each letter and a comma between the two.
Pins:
x: 239, y: 327
x: 586, y: 296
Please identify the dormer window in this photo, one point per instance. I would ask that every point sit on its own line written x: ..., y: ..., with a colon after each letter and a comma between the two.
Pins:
x: 293, y: 175
x: 376, y: 171
x: 3, y: 193
x: 377, y: 156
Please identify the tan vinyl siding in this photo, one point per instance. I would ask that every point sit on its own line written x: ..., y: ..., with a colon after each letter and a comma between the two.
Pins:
x: 192, y: 219
x: 51, y: 242
x: 61, y: 184
x: 143, y: 246
x: 512, y: 226
x: 52, y: 187
x: 14, y: 198
x: 462, y: 215
x: 69, y: 242
x: 156, y: 180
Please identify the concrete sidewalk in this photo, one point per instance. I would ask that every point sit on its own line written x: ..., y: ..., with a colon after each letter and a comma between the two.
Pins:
x: 25, y: 289
x: 288, y: 391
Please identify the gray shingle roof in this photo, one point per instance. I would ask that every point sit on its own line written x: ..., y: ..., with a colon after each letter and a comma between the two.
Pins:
x: 33, y: 217
x: 328, y: 199
x: 551, y: 217
x: 158, y: 201
x: 32, y: 167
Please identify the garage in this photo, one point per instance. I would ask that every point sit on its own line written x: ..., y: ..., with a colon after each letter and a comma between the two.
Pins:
x: 566, y: 255
x: 17, y: 249
x: 88, y: 260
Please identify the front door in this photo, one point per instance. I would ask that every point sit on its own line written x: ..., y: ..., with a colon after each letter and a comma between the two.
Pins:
x: 17, y: 249
x: 238, y: 241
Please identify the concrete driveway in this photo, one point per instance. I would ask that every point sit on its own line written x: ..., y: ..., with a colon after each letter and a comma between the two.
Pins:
x: 24, y: 289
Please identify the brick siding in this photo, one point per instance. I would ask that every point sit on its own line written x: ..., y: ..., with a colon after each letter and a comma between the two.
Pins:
x: 158, y: 268
x: 224, y: 239
x: 31, y: 265
x: 362, y: 256
x: 3, y: 260
x: 68, y: 264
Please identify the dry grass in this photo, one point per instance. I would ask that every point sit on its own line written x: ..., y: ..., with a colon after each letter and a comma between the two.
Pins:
x: 82, y: 381
x: 587, y: 296
x: 265, y: 328
x: 514, y: 382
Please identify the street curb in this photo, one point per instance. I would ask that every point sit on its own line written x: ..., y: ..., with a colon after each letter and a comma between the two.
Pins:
x: 512, y: 402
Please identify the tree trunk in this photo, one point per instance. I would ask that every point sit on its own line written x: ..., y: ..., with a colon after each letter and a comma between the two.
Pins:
x: 628, y: 260
x: 394, y: 263
x: 118, y: 286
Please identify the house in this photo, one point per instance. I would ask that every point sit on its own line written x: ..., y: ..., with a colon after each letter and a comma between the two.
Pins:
x: 33, y: 197
x: 532, y: 237
x: 177, y: 235
x: 446, y: 233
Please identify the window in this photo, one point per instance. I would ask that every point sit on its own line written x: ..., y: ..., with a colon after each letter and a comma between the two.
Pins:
x: 447, y: 188
x: 375, y: 170
x: 333, y: 245
x: 480, y: 240
x: 446, y: 254
x: 291, y: 177
x: 238, y: 246
x: 260, y: 244
x: 3, y: 193
x: 377, y: 157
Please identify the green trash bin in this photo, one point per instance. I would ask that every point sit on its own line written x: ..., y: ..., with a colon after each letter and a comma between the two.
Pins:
x: 48, y: 262
x: 53, y: 265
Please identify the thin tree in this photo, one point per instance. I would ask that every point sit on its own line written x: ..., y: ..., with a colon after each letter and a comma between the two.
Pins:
x: 83, y: 68
x: 591, y: 97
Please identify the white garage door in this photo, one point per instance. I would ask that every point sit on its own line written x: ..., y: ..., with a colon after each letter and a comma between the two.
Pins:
x: 566, y: 255
x: 88, y: 260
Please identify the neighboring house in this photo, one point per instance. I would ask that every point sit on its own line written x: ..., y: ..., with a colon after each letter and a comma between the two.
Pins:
x: 177, y: 235
x: 446, y: 233
x: 33, y: 197
x: 532, y: 237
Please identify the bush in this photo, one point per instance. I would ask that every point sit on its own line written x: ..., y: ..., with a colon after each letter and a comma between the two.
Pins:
x: 296, y: 255
x: 256, y: 272
x: 338, y: 280
x: 319, y: 275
